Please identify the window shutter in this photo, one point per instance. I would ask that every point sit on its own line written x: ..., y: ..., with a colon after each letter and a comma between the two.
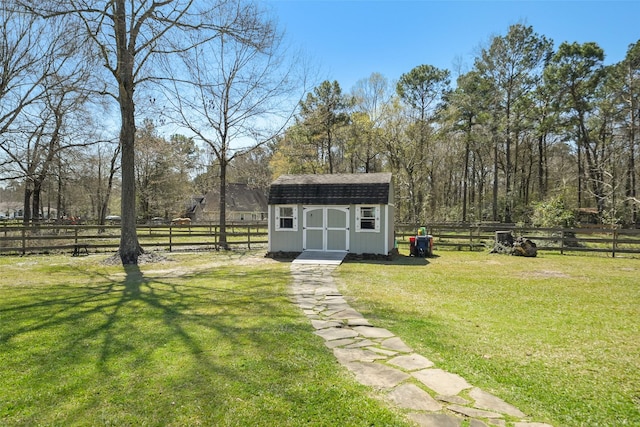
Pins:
x: 358, y: 218
x: 376, y: 211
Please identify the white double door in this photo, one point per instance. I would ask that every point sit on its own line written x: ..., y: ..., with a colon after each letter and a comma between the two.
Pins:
x: 325, y: 228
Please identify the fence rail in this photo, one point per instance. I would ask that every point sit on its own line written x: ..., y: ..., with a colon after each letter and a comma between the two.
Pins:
x: 610, y: 240
x: 106, y: 238
x: 16, y: 239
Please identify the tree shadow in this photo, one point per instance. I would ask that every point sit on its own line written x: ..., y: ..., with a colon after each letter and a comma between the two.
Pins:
x: 134, y: 279
x: 169, y: 346
x: 396, y: 260
x: 118, y: 322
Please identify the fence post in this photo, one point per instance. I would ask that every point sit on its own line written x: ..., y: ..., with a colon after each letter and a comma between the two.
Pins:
x: 249, y: 237
x: 562, y: 242
x: 170, y: 236
x: 614, y: 244
x: 24, y: 241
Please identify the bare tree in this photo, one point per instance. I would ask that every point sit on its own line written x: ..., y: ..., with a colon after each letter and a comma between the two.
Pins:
x: 162, y: 178
x: 23, y: 62
x: 372, y: 98
x: 128, y: 36
x: 97, y: 172
x: 44, y: 87
x: 236, y: 95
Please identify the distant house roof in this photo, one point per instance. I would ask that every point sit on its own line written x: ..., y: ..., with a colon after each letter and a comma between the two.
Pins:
x: 331, y: 189
x: 239, y: 198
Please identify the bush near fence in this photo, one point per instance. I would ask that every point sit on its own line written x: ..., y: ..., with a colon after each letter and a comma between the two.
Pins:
x: 17, y: 239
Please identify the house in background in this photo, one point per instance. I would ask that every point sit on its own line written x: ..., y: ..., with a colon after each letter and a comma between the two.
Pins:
x: 339, y: 212
x: 243, y: 204
x: 11, y: 210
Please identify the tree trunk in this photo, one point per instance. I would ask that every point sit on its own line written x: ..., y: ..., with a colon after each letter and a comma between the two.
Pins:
x: 465, y: 177
x: 541, y: 167
x: 59, y: 207
x: 129, y: 246
x: 631, y: 162
x: 329, y: 151
x: 125, y: 50
x: 495, y: 178
x: 107, y: 196
x: 26, y: 207
x: 37, y: 189
x: 508, y: 167
x: 223, y: 203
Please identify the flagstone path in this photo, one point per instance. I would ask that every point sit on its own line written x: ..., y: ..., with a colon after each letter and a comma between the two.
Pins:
x: 429, y: 396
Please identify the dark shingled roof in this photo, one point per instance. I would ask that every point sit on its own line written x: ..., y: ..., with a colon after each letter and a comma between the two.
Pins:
x: 331, y: 189
x: 239, y: 198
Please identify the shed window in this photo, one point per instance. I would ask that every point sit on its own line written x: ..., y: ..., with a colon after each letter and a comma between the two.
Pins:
x: 286, y: 218
x: 367, y: 218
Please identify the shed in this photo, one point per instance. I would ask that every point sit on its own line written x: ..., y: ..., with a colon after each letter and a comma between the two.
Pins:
x: 338, y: 212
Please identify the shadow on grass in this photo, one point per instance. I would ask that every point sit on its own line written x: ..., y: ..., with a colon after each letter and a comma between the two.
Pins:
x: 397, y: 260
x: 143, y: 343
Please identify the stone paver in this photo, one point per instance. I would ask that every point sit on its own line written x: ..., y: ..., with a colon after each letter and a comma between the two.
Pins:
x: 453, y: 399
x: 473, y: 412
x: 528, y: 424
x: 361, y: 321
x: 410, y: 396
x: 370, y: 332
x: 323, y: 324
x: 397, y: 344
x: 336, y: 333
x: 361, y: 343
x: 411, y: 362
x: 345, y: 355
x: 442, y: 382
x: 432, y: 397
x: 488, y: 401
x: 436, y: 420
x: 376, y: 374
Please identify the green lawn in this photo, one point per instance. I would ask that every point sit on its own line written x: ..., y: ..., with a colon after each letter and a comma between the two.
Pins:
x: 558, y: 336
x: 213, y: 339
x: 201, y: 339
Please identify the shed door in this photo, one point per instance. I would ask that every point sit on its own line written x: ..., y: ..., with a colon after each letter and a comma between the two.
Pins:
x: 325, y: 228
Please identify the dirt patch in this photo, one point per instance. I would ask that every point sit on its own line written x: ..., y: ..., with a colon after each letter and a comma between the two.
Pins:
x: 165, y: 269
x: 144, y: 258
x: 548, y: 273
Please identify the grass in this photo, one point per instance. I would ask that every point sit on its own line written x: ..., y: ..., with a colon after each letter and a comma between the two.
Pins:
x: 557, y: 336
x: 202, y: 339
x: 212, y: 339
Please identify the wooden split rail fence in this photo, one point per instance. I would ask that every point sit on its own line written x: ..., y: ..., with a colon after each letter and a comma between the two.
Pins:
x: 82, y: 239
x: 606, y: 240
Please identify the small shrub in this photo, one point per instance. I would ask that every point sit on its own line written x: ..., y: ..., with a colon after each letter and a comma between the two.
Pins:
x: 553, y: 213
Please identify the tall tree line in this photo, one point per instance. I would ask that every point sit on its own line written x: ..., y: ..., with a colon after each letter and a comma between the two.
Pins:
x: 528, y: 123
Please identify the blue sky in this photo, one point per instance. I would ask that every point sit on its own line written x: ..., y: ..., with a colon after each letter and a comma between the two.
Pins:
x: 349, y: 40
